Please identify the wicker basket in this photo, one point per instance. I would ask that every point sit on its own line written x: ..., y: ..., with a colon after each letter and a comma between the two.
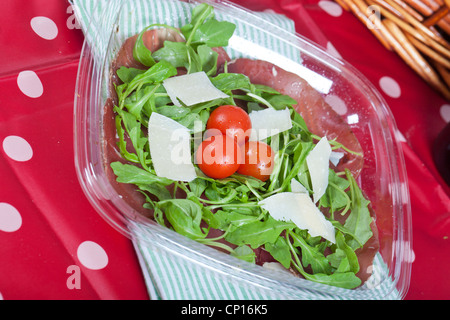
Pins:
x: 417, y: 30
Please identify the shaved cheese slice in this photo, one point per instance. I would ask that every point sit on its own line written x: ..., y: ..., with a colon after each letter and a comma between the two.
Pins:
x: 170, y: 148
x: 335, y: 157
x: 299, y: 209
x: 297, y: 186
x: 318, y: 162
x: 269, y: 122
x: 191, y: 89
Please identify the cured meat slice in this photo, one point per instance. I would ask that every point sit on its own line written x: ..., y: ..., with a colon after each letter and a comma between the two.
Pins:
x: 319, y: 116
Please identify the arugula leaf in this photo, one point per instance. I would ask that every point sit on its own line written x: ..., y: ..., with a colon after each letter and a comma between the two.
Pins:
x: 279, y: 101
x: 173, y: 112
x: 299, y: 126
x: 157, y: 73
x: 208, y: 59
x: 141, y: 53
x: 253, y: 106
x: 213, y: 33
x: 244, y: 253
x: 261, y: 88
x: 127, y: 173
x: 127, y: 74
x: 137, y: 100
x: 335, y: 196
x: 350, y: 255
x: 194, y: 62
x: 220, y: 195
x: 306, y: 147
x: 231, y: 81
x: 271, y: 97
x: 346, y: 280
x: 134, y: 130
x: 132, y: 157
x: 359, y: 219
x: 258, y: 233
x: 339, y: 261
x: 184, y: 216
x: 189, y: 120
x: 197, y: 187
x: 173, y: 52
x: 157, y: 189
x: 200, y: 13
x: 311, y: 255
x: 228, y: 220
x: 280, y: 251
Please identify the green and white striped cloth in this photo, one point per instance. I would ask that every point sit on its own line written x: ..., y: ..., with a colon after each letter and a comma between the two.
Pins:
x: 177, y: 268
x: 99, y: 18
x: 173, y: 272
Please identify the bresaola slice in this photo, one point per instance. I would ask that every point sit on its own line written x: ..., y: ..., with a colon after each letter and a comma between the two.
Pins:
x: 320, y: 118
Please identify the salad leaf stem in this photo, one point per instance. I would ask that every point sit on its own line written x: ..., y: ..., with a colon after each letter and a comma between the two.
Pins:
x: 257, y: 195
x: 337, y: 145
x: 260, y: 99
x: 140, y: 52
x: 347, y: 280
x: 344, y: 194
x: 215, y: 243
x: 237, y: 205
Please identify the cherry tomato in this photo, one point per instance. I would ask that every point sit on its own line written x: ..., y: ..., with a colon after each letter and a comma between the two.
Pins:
x: 218, y: 156
x: 258, y: 160
x: 230, y: 120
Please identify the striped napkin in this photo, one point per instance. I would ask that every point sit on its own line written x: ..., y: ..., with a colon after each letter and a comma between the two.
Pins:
x: 177, y: 268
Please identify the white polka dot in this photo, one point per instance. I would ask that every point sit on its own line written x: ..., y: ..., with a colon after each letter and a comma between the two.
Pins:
x: 30, y: 84
x: 332, y: 50
x: 337, y: 104
x: 17, y: 148
x: 390, y: 87
x: 92, y: 255
x: 44, y: 27
x: 1, y: 297
x: 269, y: 11
x: 333, y: 9
x: 10, y: 218
x: 445, y: 112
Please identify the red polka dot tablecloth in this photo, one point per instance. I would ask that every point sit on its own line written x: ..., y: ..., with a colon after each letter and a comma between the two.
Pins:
x: 55, y: 245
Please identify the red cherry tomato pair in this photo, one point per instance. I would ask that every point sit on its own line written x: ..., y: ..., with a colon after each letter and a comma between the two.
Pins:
x: 227, y: 149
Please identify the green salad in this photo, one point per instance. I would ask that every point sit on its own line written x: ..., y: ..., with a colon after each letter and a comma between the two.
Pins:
x: 241, y: 206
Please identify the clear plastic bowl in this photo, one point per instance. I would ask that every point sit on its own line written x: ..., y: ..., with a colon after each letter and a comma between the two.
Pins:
x: 383, y: 178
